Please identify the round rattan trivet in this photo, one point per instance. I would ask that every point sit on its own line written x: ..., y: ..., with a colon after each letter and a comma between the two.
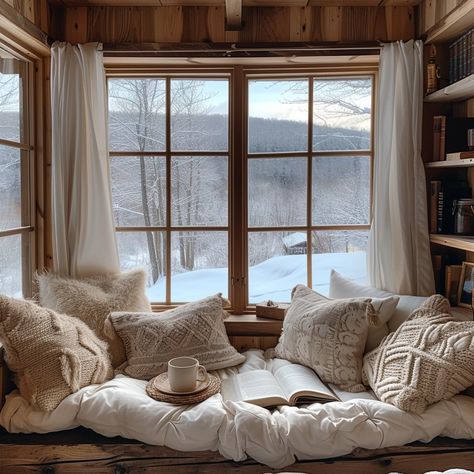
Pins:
x: 214, y: 387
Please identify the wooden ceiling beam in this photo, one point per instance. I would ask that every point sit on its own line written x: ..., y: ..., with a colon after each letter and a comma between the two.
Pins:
x: 233, y: 15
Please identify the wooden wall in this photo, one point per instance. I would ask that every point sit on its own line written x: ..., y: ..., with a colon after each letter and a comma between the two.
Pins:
x: 432, y: 11
x: 36, y: 11
x: 206, y: 24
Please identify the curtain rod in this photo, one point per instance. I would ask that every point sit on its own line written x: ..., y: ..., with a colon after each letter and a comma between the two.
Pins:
x: 242, y: 49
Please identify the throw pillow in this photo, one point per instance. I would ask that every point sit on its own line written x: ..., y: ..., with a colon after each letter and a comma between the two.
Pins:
x: 341, y: 287
x: 429, y: 358
x: 327, y: 335
x: 93, y: 299
x: 52, y: 355
x: 194, y: 329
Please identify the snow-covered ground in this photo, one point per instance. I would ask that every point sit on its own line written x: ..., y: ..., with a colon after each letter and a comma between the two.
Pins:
x: 272, y: 279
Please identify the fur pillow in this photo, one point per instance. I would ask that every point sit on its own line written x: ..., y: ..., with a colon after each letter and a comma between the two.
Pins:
x: 52, y: 355
x: 194, y: 329
x: 93, y: 299
x: 429, y: 358
x: 328, y: 336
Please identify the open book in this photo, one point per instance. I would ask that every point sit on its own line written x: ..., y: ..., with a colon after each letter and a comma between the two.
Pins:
x: 291, y: 384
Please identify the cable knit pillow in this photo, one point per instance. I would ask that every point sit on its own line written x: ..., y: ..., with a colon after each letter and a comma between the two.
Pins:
x: 52, y: 355
x: 327, y: 335
x: 93, y: 299
x: 429, y: 358
x: 194, y: 329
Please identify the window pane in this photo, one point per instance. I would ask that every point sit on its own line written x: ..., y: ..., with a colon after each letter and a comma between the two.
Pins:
x: 341, y: 114
x: 10, y: 86
x: 139, y: 190
x: 341, y: 190
x: 199, y: 263
x: 199, y: 114
x: 137, y: 109
x: 10, y: 188
x: 11, y: 266
x: 343, y: 250
x: 277, y: 262
x: 199, y: 190
x: 278, y: 115
x: 146, y: 250
x: 277, y: 191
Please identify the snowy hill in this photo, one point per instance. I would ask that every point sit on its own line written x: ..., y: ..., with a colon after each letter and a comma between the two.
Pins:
x: 272, y: 279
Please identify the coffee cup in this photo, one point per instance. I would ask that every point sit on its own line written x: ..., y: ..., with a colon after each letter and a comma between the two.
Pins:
x: 184, y: 372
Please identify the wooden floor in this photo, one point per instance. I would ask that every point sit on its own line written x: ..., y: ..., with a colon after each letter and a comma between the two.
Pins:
x: 83, y: 451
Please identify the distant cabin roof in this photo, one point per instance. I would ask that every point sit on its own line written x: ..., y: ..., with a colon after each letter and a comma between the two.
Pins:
x: 296, y: 238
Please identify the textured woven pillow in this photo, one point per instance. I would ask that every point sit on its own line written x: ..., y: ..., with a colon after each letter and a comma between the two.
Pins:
x: 93, y: 299
x: 52, y: 355
x: 327, y: 335
x: 194, y: 329
x: 429, y: 358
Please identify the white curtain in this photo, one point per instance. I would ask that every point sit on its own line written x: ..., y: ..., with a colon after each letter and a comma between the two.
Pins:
x: 399, y: 257
x: 83, y: 228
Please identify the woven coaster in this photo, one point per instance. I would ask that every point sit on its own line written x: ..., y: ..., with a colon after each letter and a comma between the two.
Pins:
x: 214, y: 387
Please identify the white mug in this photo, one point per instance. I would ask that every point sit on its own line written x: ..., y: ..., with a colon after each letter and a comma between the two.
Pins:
x: 184, y: 372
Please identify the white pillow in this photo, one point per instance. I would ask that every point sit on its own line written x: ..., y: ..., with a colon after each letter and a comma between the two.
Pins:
x: 384, y: 303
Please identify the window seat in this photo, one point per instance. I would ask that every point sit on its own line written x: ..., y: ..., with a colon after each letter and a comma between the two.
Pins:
x: 83, y: 450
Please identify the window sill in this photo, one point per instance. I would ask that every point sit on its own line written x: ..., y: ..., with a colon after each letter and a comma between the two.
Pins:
x: 251, y: 325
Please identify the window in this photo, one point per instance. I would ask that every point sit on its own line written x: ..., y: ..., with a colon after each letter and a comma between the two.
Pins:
x: 244, y: 183
x: 16, y: 234
x: 169, y: 144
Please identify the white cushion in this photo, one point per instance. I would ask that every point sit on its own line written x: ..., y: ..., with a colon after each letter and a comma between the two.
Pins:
x: 384, y: 303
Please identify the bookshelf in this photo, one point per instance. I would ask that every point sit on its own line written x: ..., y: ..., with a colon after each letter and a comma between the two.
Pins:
x: 454, y: 100
x: 458, y: 91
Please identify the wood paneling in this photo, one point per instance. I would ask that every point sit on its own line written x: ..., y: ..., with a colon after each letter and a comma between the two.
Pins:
x: 36, y: 11
x: 436, y: 12
x: 207, y: 24
x: 91, y: 453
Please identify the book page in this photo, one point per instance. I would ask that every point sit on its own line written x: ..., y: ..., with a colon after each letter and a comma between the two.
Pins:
x: 347, y: 396
x: 298, y: 381
x: 257, y: 386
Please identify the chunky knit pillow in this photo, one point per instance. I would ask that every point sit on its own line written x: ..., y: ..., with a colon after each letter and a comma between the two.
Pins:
x: 429, y: 358
x: 93, y: 299
x: 52, y: 355
x: 194, y: 329
x: 328, y: 336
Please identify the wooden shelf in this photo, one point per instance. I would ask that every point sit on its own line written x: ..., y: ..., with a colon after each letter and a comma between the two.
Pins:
x: 454, y: 241
x: 460, y: 90
x: 453, y: 24
x: 251, y: 325
x: 465, y: 163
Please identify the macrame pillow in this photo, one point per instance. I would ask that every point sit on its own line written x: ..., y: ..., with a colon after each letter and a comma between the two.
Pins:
x: 93, y: 299
x: 328, y: 336
x: 52, y: 355
x: 429, y: 358
x: 194, y: 329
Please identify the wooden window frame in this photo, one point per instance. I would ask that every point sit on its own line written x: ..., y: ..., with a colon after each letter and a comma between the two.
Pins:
x: 238, y: 156
x: 26, y: 146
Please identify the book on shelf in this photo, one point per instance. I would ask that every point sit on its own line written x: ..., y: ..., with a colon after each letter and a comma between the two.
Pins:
x: 439, y: 265
x: 442, y: 195
x: 460, y: 155
x: 450, y: 135
x: 461, y: 57
x: 452, y: 277
x: 290, y: 384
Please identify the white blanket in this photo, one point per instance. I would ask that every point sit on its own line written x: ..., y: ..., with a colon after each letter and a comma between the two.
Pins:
x: 237, y: 430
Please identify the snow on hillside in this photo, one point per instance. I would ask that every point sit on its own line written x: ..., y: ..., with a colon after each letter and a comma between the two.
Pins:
x: 272, y: 279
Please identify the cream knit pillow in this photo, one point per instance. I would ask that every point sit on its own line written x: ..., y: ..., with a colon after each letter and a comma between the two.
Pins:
x: 429, y: 358
x: 328, y: 336
x: 93, y: 299
x: 52, y: 355
x: 194, y: 329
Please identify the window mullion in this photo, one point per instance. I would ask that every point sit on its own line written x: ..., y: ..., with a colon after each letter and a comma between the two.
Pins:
x: 309, y: 204
x: 168, y: 190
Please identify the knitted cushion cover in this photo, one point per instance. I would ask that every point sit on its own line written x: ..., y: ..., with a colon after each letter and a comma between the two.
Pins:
x: 93, y: 299
x: 52, y: 355
x: 328, y: 336
x: 194, y: 329
x: 429, y: 358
